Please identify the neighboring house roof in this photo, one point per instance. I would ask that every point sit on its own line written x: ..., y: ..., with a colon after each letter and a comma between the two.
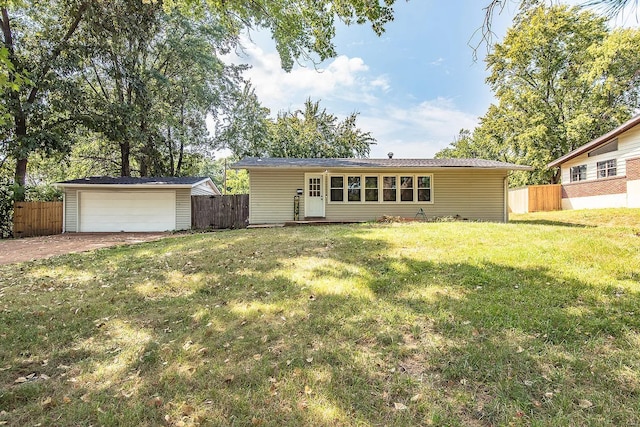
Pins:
x: 272, y: 162
x: 596, y: 142
x: 145, y: 182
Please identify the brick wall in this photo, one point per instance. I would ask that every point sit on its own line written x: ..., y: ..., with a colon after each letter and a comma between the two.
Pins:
x: 633, y: 169
x: 597, y: 187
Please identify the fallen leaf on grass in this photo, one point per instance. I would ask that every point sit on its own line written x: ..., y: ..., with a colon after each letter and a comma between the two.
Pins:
x: 257, y: 356
x: 399, y: 406
x: 585, y: 404
x: 20, y: 380
x: 47, y: 403
x: 229, y: 378
x: 307, y: 390
x: 309, y: 360
x: 66, y: 399
x: 416, y: 397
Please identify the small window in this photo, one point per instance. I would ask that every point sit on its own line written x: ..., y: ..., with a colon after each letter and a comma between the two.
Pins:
x: 607, y: 168
x: 389, y: 189
x: 406, y: 189
x: 314, y: 187
x: 578, y: 173
x: 424, y: 188
x: 355, y: 186
x: 337, y: 188
x: 371, y: 189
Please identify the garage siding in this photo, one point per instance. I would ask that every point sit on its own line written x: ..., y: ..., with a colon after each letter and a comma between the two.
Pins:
x: 183, y: 209
x: 475, y: 194
x: 70, y: 210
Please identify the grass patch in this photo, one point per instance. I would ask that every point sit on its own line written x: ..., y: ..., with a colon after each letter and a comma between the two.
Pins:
x: 534, y: 322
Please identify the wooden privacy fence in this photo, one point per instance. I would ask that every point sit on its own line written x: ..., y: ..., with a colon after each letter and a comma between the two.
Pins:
x: 37, y: 218
x: 220, y: 211
x: 535, y: 198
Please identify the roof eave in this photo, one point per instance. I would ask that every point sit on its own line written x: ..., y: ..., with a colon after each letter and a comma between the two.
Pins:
x: 146, y: 185
x: 596, y: 142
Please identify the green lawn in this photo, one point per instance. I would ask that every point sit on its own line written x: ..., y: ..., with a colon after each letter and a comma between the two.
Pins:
x: 535, y: 322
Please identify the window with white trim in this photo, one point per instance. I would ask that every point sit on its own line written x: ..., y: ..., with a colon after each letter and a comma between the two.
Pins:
x: 337, y: 188
x: 607, y: 168
x: 389, y: 189
x: 381, y: 188
x: 406, y: 188
x: 370, y: 188
x: 424, y: 188
x: 578, y: 173
x: 354, y: 188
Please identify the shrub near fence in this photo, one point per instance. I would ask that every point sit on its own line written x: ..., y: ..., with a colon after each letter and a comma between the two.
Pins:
x: 220, y: 212
x: 37, y: 218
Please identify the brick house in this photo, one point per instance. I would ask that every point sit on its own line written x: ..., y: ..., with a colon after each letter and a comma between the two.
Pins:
x: 604, y: 173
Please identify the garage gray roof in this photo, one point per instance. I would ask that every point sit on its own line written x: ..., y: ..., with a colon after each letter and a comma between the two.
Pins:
x: 127, y: 180
x: 272, y: 162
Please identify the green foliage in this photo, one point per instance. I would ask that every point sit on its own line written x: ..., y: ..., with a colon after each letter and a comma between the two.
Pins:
x: 6, y: 209
x: 298, y: 27
x: 561, y: 78
x: 311, y: 132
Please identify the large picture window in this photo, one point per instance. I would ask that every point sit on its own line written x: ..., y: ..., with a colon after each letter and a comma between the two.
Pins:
x: 578, y: 173
x: 607, y: 168
x: 381, y: 188
x: 337, y: 188
x: 355, y: 188
x: 389, y: 189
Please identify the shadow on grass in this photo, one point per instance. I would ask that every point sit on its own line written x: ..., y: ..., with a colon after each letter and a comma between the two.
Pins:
x: 321, y: 328
x: 550, y: 223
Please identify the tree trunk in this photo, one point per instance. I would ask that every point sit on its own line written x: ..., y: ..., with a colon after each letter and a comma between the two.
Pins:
x: 125, y: 166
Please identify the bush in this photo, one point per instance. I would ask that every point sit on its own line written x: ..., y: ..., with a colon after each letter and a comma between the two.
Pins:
x: 6, y: 210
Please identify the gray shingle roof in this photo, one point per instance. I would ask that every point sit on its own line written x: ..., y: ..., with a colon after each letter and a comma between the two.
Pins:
x: 272, y: 162
x: 126, y: 180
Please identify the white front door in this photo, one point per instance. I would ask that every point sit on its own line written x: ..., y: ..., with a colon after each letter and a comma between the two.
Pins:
x: 314, y: 196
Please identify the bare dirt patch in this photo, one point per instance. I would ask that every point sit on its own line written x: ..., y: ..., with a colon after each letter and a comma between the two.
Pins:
x: 32, y: 248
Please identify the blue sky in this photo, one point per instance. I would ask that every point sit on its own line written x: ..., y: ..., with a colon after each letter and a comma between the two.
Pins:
x: 414, y: 87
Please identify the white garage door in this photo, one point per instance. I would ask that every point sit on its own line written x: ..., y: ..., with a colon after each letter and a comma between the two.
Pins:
x: 127, y: 211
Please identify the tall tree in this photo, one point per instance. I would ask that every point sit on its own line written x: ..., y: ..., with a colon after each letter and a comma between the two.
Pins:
x: 152, y: 78
x: 561, y: 78
x: 309, y: 132
x: 36, y: 37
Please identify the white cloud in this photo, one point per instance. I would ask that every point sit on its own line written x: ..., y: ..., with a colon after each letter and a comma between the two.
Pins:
x: 345, y: 85
x: 417, y: 131
x: 343, y: 78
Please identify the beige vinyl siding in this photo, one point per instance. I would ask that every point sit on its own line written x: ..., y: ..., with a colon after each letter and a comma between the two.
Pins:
x: 271, y: 195
x: 476, y: 194
x: 628, y: 148
x: 473, y: 194
x: 183, y: 209
x: 70, y: 210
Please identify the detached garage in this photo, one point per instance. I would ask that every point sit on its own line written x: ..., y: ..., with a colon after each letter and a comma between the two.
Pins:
x: 107, y: 204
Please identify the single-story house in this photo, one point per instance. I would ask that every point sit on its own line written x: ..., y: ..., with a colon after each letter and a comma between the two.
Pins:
x: 367, y: 189
x: 107, y: 204
x: 603, y: 173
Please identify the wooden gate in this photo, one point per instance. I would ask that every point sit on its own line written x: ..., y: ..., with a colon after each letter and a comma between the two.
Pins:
x: 220, y: 211
x: 535, y: 198
x: 37, y: 218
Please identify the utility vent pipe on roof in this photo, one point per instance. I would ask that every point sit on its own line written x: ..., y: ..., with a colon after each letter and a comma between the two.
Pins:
x: 390, y: 154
